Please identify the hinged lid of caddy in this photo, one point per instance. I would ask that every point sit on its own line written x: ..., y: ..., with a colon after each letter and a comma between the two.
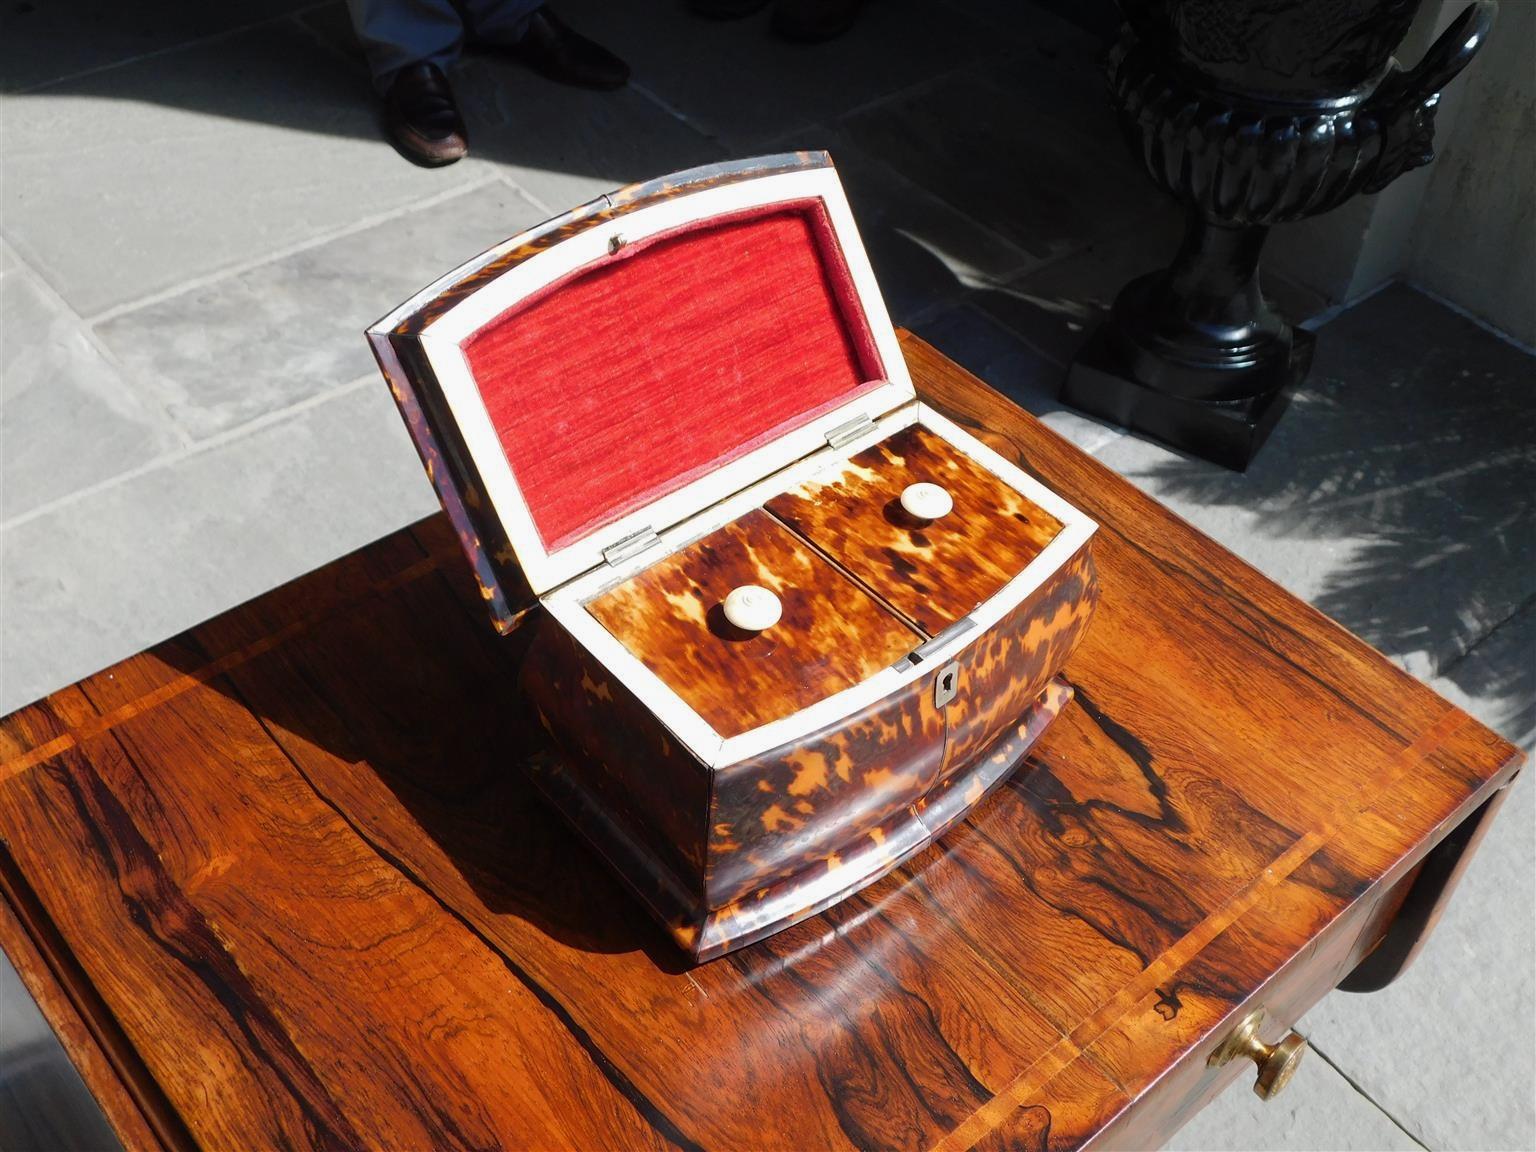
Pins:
x: 605, y: 375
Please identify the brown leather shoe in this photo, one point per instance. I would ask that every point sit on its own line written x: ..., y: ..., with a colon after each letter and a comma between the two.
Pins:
x: 551, y: 48
x: 422, y: 119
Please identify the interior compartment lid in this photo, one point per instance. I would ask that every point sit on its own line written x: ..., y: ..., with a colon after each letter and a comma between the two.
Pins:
x: 636, y: 360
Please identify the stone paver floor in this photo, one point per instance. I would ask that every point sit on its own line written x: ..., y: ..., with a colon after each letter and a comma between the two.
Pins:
x: 197, y: 220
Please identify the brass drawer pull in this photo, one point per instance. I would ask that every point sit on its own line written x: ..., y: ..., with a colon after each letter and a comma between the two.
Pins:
x: 1277, y: 1062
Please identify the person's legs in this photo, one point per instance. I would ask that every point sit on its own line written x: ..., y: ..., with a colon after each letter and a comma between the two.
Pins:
x: 399, y: 33
x: 531, y: 33
x: 409, y: 44
x: 499, y: 21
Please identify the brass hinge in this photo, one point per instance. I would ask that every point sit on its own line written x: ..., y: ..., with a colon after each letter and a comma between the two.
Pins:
x: 631, y: 545
x: 849, y: 431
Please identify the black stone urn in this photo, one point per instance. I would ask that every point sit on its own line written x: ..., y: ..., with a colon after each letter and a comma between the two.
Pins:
x: 1252, y: 113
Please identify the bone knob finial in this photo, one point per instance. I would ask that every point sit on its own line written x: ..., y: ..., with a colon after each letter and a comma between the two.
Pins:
x: 752, y: 608
x: 926, y: 501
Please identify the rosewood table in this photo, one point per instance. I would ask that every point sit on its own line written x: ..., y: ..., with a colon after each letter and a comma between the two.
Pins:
x: 279, y: 881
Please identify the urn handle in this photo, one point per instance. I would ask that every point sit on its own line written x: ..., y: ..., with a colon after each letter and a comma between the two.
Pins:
x: 1446, y: 57
x: 1405, y: 102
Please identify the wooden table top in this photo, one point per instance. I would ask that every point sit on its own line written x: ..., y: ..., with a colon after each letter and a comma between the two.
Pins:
x: 280, y: 882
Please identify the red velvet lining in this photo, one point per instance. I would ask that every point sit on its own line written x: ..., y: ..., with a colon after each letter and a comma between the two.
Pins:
x: 633, y: 377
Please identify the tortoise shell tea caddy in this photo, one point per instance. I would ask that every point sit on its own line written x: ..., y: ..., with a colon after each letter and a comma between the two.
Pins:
x: 785, y: 623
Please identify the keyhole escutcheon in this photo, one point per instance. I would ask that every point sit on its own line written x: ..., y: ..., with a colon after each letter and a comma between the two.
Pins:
x: 947, y: 686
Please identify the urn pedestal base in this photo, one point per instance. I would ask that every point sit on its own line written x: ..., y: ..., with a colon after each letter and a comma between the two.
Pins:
x: 1226, y: 432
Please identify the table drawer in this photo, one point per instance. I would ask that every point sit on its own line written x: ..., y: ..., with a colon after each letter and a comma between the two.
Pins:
x: 1405, y: 903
